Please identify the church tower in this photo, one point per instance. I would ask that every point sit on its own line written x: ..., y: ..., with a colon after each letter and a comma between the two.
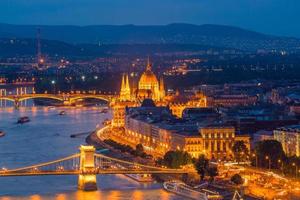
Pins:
x: 125, y: 100
x: 125, y: 94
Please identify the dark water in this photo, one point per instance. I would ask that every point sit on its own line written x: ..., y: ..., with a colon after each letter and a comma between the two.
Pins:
x: 46, y: 138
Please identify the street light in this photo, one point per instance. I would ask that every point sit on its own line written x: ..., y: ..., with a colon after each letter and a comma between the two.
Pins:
x: 296, y: 167
x: 256, y: 160
x: 268, y: 158
x: 281, y: 167
x: 53, y: 82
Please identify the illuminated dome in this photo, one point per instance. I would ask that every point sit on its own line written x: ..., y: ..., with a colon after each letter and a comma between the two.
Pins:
x: 149, y: 86
x: 148, y: 80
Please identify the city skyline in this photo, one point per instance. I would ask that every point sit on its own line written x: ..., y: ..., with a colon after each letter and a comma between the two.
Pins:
x: 270, y: 17
x: 199, y: 99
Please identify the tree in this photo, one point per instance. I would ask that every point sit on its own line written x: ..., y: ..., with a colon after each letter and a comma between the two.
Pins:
x: 201, y: 166
x: 186, y: 157
x: 212, y: 172
x: 271, y: 149
x: 139, y: 150
x: 175, y: 159
x: 237, y: 179
x: 240, y: 151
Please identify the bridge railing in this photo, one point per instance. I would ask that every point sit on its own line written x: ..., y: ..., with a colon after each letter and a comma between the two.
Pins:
x: 107, y: 164
x: 70, y: 163
x: 102, y: 165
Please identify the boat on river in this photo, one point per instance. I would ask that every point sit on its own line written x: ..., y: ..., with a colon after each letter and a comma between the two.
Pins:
x: 105, y: 110
x: 23, y: 120
x: 141, y: 177
x: 180, y: 188
x: 2, y: 133
x: 62, y: 112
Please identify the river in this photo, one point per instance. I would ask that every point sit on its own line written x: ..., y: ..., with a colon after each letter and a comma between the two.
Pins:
x: 46, y: 138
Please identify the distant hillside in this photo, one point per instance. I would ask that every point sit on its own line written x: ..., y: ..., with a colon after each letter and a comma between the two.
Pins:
x: 211, y: 35
x: 27, y: 47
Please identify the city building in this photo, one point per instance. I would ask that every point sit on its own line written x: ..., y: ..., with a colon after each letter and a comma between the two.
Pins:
x: 150, y: 88
x: 200, y: 114
x: 262, y: 135
x: 125, y: 93
x: 219, y: 139
x: 289, y: 137
x: 178, y: 102
x: 232, y: 100
x: 295, y: 109
x: 159, y: 131
x: 119, y: 104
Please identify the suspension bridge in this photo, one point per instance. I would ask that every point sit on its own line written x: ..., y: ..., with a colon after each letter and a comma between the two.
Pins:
x: 87, y: 164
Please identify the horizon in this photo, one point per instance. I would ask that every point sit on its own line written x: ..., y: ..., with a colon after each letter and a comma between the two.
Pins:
x: 260, y: 16
x: 145, y: 25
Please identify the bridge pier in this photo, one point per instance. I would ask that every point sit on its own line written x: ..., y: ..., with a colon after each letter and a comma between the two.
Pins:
x: 67, y: 103
x: 87, y: 178
x: 16, y: 104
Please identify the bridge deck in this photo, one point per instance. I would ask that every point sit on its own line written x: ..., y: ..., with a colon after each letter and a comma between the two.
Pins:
x: 45, y: 173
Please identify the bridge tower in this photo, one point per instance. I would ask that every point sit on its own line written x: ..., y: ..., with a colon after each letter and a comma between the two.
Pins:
x: 87, y: 178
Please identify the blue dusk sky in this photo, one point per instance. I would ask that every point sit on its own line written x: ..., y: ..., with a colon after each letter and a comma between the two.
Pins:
x: 279, y: 17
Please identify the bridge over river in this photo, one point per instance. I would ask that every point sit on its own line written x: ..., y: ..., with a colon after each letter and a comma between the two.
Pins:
x: 87, y: 164
x: 67, y: 99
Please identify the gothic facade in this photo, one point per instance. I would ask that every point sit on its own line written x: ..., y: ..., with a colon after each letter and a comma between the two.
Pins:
x: 150, y: 87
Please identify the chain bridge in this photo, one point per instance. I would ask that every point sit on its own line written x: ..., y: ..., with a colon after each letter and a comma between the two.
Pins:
x: 87, y: 164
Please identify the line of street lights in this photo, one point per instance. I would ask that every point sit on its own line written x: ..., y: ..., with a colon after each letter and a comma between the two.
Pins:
x: 279, y: 161
x: 268, y: 158
x: 296, y: 167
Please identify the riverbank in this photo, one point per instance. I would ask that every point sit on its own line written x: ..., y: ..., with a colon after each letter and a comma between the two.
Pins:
x: 97, y: 139
x: 80, y: 134
x: 94, y: 140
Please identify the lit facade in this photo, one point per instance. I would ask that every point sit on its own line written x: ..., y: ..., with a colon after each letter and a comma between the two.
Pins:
x: 125, y: 94
x: 178, y: 103
x: 159, y: 132
x: 232, y: 100
x: 150, y: 88
x: 158, y: 136
x: 219, y: 140
x: 289, y: 137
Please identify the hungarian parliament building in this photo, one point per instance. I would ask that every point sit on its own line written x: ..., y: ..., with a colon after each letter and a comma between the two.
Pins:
x: 147, y: 115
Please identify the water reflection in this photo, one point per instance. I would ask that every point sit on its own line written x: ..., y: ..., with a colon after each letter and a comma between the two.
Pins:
x: 47, y: 137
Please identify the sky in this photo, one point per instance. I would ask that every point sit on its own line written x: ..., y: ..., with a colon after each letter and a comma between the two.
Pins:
x: 278, y: 17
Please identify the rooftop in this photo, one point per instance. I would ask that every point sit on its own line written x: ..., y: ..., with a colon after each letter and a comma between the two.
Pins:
x: 293, y: 128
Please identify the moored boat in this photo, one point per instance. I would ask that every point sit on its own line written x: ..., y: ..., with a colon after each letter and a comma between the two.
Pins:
x: 105, y: 110
x: 140, y: 177
x: 180, y: 188
x: 2, y: 133
x: 23, y: 120
x: 62, y: 112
